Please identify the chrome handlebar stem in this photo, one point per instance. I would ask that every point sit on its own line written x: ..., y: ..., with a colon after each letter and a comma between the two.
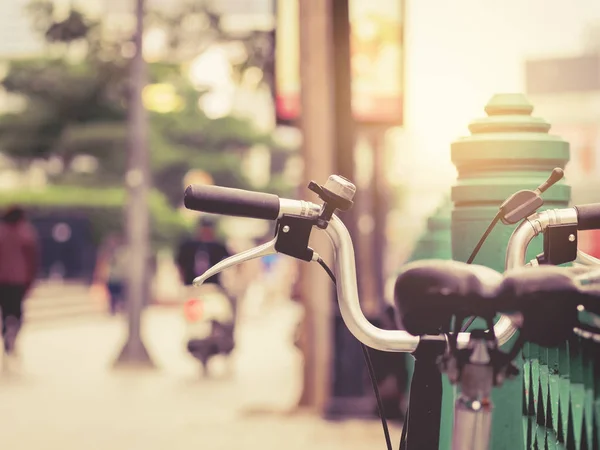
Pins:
x: 402, y: 341
x: 355, y: 320
x: 347, y: 293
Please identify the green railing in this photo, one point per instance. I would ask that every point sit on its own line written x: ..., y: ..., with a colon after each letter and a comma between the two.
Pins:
x: 561, y: 401
x: 508, y: 150
x: 561, y: 386
x: 558, y: 390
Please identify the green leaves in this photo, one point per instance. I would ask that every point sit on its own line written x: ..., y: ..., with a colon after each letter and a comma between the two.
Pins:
x: 31, y: 134
x: 215, y: 135
x: 77, y: 107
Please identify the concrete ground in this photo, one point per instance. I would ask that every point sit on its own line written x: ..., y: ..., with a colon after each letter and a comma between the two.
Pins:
x: 66, y: 396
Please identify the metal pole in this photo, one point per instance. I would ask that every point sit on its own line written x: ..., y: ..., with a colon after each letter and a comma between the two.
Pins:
x: 137, y: 214
x: 350, y: 396
x: 317, y: 123
x: 380, y: 194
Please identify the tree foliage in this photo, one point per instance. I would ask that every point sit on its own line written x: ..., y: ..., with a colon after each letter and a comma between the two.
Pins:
x: 77, y: 105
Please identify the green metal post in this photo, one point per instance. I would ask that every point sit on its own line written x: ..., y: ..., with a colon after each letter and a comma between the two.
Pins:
x: 434, y: 242
x: 507, y: 151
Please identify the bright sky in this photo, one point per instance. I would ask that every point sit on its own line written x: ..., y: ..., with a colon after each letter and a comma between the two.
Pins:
x: 461, y: 52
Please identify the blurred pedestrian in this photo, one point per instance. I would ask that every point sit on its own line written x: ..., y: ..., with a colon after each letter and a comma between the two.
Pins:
x: 213, y: 332
x: 111, y: 271
x: 19, y: 259
x: 198, y: 254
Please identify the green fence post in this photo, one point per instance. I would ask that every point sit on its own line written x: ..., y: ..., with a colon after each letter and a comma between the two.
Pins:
x: 434, y: 242
x: 554, y: 396
x: 596, y: 422
x: 507, y: 151
x: 577, y: 395
x: 588, y: 381
x: 528, y: 398
x: 564, y: 395
x: 545, y: 414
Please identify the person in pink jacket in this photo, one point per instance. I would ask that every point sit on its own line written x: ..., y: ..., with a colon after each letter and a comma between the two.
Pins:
x: 18, y: 268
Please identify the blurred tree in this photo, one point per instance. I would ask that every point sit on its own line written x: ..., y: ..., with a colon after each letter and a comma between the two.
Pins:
x: 77, y: 106
x: 195, y: 26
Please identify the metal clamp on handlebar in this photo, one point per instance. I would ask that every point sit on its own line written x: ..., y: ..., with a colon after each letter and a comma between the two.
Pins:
x: 560, y: 228
x: 530, y: 228
x: 560, y: 244
x: 293, y: 231
x: 291, y: 238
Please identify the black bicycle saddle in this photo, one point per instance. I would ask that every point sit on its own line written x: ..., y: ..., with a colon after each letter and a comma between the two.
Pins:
x: 429, y: 292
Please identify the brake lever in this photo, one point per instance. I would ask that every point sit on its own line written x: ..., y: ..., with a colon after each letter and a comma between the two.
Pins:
x: 265, y: 249
x: 291, y: 238
x: 293, y: 232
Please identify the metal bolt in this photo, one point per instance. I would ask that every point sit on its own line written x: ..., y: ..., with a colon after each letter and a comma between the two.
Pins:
x: 571, y: 238
x: 286, y: 229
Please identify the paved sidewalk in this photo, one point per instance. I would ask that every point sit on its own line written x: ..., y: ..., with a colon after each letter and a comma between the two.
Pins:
x: 67, y: 397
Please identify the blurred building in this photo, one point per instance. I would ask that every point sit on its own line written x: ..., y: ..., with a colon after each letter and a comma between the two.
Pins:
x: 566, y: 92
x: 68, y: 251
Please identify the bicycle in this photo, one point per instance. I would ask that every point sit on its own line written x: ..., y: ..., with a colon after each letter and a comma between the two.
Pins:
x: 436, y: 341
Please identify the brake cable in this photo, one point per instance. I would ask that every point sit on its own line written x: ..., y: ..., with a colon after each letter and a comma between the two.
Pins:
x: 515, y: 208
x: 370, y: 368
x: 483, y: 238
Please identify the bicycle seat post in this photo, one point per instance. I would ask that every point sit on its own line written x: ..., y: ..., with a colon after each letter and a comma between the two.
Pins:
x: 473, y: 369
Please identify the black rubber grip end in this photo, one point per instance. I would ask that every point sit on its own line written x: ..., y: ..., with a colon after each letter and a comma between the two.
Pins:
x: 231, y: 202
x: 588, y: 216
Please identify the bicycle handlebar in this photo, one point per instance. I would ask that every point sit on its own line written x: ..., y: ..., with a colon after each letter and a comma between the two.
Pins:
x: 347, y: 293
x: 236, y: 202
x: 232, y: 202
x: 588, y: 216
x: 402, y: 341
x: 243, y: 203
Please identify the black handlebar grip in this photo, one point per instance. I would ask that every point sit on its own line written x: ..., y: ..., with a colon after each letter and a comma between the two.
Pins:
x: 231, y: 202
x: 588, y: 216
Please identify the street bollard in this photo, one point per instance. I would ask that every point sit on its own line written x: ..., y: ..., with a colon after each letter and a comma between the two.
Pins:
x: 435, y: 241
x: 507, y: 151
